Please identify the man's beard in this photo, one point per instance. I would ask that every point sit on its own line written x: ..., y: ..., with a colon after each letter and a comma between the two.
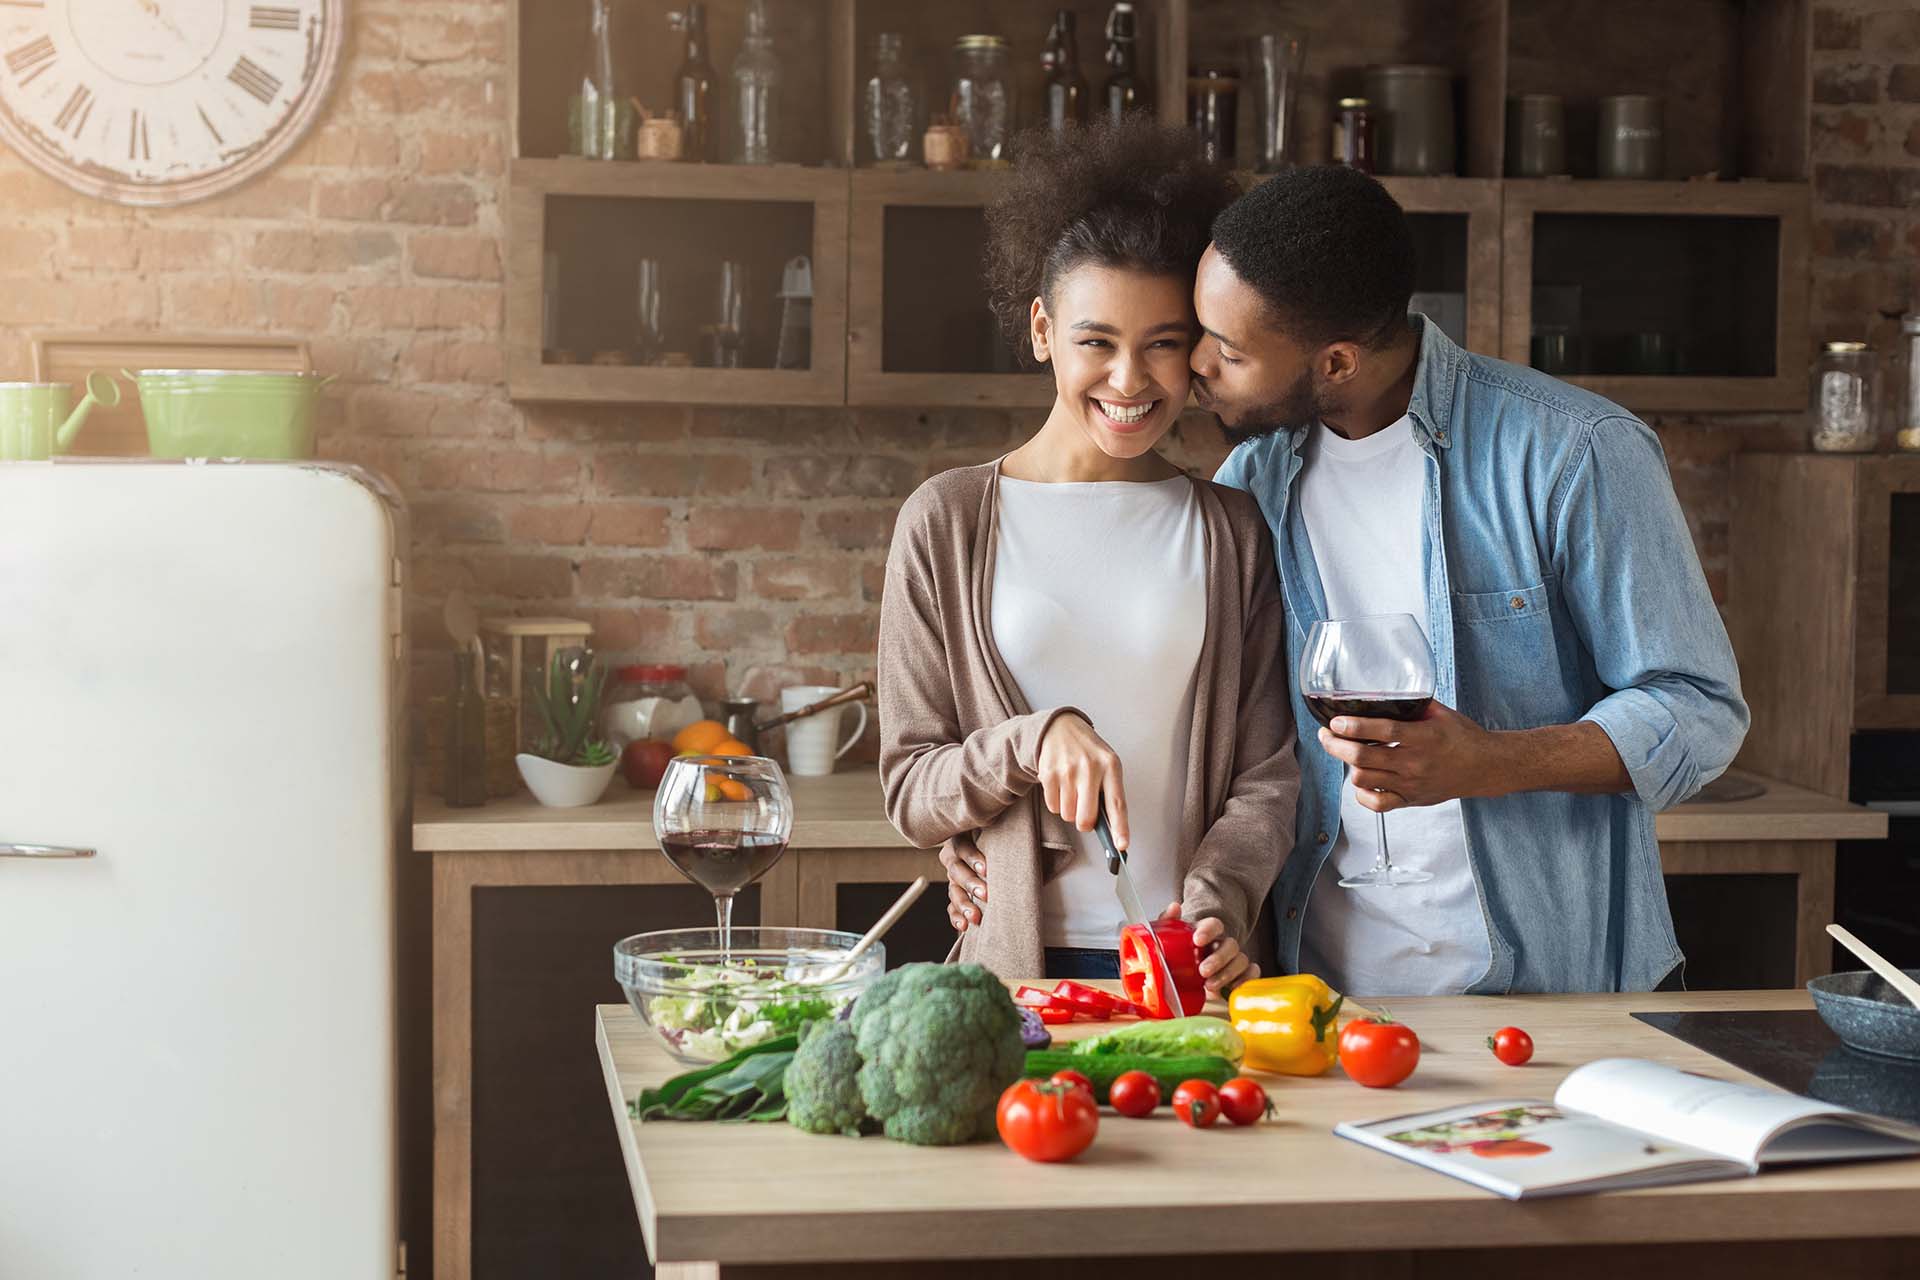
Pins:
x: 1299, y: 407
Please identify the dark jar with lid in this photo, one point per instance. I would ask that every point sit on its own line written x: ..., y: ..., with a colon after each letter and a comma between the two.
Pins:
x: 1353, y: 134
x: 1213, y: 107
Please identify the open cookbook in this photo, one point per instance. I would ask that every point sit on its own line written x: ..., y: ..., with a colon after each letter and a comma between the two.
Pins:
x: 1622, y: 1122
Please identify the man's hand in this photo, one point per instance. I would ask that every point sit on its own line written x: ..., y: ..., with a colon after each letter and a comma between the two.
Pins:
x: 1448, y: 757
x: 966, y: 881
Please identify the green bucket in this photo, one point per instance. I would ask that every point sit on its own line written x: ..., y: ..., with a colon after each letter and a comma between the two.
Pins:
x: 215, y: 413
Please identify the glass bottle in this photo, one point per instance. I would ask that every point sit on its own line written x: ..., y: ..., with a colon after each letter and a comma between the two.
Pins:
x: 1278, y: 59
x: 465, y: 784
x: 1066, y: 89
x: 892, y: 104
x: 983, y: 98
x: 756, y: 93
x: 693, y: 85
x: 600, y: 120
x: 1846, y: 399
x: 1908, y: 437
x: 1123, y: 90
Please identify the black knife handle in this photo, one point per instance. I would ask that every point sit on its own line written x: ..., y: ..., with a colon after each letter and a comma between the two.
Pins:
x: 1100, y: 828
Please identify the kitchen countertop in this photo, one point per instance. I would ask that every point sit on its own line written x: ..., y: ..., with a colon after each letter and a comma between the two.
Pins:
x: 747, y: 1194
x: 845, y: 811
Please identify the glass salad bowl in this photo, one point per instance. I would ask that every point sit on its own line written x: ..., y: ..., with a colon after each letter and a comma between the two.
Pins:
x: 707, y: 1003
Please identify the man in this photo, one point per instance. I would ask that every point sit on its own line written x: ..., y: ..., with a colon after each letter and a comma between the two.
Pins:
x: 1583, y: 677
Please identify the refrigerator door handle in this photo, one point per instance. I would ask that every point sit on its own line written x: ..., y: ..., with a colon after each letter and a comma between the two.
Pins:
x: 42, y: 851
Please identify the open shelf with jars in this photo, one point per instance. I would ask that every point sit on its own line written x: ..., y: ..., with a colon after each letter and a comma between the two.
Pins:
x: 1675, y: 282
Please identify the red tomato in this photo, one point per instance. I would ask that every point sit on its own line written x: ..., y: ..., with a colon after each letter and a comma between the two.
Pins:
x: 1378, y: 1053
x: 1243, y: 1101
x: 1511, y: 1045
x: 1047, y: 1121
x: 1197, y: 1103
x: 1134, y: 1093
x: 1069, y: 1076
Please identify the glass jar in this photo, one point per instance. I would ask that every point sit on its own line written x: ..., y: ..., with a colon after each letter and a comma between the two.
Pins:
x: 892, y: 107
x: 1846, y: 387
x: 1353, y: 134
x: 983, y: 99
x: 1213, y: 110
x: 648, y: 700
x: 1908, y: 437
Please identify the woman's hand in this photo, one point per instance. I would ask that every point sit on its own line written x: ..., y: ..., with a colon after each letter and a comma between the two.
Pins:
x: 1226, y: 966
x: 966, y: 881
x: 1076, y: 768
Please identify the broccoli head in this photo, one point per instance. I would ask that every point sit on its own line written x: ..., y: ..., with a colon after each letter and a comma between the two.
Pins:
x: 938, y: 1044
x: 823, y: 1086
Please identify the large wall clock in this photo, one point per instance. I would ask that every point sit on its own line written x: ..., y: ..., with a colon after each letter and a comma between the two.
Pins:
x: 159, y: 102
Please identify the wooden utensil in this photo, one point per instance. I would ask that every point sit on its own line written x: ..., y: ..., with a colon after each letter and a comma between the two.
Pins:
x: 880, y: 927
x: 1878, y: 963
x: 859, y: 691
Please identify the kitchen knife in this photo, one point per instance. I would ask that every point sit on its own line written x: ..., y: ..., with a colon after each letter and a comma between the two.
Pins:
x: 1135, y: 913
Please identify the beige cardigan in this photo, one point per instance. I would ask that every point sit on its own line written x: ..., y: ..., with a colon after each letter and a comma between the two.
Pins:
x: 960, y: 747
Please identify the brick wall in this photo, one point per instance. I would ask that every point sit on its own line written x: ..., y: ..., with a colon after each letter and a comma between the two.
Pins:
x: 748, y: 542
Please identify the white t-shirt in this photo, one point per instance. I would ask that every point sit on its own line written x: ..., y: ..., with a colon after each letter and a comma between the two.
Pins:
x: 1364, y: 504
x: 1100, y: 603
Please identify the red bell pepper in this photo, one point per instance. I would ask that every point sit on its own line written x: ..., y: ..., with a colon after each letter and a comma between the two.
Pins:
x: 1140, y: 976
x: 1091, y: 1001
x: 1052, y: 1010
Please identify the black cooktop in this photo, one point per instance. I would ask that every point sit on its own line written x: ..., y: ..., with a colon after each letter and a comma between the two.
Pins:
x: 1793, y: 1049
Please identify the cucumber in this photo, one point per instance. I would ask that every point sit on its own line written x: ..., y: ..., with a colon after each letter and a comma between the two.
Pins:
x: 1103, y: 1069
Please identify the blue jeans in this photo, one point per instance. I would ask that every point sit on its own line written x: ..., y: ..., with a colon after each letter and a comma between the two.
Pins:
x: 1082, y: 963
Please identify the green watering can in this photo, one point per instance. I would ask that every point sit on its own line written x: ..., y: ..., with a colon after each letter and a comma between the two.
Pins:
x: 39, y: 419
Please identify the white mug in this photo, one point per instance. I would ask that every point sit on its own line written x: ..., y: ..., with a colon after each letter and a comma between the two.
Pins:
x: 810, y: 742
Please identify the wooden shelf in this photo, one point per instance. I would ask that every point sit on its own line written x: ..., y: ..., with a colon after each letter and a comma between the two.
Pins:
x: 533, y: 184
x: 1495, y: 48
x: 1785, y: 204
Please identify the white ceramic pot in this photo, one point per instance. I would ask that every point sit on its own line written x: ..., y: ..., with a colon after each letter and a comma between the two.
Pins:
x: 564, y: 786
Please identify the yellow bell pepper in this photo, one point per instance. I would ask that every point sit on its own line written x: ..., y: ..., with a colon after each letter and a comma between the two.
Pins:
x: 1289, y: 1024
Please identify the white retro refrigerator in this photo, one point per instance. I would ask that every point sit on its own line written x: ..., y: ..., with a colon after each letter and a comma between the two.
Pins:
x: 199, y: 695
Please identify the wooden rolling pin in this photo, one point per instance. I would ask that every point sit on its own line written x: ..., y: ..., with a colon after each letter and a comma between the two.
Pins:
x: 857, y: 693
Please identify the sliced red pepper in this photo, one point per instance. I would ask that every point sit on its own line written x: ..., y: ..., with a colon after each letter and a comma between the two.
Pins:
x: 1034, y: 998
x: 1141, y: 979
x: 1053, y: 1017
x: 1086, y: 999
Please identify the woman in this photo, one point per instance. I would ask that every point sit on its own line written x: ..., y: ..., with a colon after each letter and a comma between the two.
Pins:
x: 1080, y: 621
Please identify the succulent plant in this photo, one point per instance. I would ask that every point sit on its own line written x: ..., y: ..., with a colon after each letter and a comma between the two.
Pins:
x: 570, y: 710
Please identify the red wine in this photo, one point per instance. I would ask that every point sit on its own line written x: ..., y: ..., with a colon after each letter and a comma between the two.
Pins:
x: 1376, y: 706
x: 723, y: 862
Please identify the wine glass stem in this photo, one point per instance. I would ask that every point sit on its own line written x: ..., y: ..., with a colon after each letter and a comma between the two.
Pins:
x: 723, y: 907
x: 1385, y: 861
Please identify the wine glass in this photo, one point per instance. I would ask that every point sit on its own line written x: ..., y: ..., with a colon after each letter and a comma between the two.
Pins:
x: 723, y: 822
x: 1378, y: 667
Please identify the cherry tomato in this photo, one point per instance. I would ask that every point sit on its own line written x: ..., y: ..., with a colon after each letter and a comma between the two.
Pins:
x: 1134, y: 1093
x: 1197, y: 1103
x: 1243, y: 1101
x: 1511, y: 1045
x: 1378, y: 1052
x: 1069, y: 1076
x: 1046, y: 1121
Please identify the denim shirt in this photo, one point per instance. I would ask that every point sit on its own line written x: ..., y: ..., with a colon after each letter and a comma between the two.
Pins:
x: 1562, y: 585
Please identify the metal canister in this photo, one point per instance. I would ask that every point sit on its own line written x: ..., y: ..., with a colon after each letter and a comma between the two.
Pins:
x: 1633, y: 137
x: 1413, y: 113
x: 1536, y: 135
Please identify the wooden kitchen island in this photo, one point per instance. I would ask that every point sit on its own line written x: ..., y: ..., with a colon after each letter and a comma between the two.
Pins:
x: 528, y: 901
x: 1153, y: 1198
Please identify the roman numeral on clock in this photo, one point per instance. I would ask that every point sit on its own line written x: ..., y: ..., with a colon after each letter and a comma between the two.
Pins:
x: 270, y: 18
x: 73, y: 116
x: 138, y: 147
x: 32, y: 58
x: 255, y: 79
x: 207, y: 120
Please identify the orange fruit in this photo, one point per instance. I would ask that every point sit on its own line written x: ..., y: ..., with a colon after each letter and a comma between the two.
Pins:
x: 731, y: 747
x: 699, y: 737
x: 734, y: 789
